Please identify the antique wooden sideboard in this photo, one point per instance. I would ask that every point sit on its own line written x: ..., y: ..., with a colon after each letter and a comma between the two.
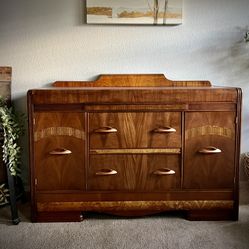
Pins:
x: 134, y: 145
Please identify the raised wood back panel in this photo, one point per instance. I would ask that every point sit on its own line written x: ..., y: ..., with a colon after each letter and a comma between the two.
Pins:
x: 135, y: 129
x: 55, y: 136
x: 132, y: 80
x: 134, y: 172
x: 209, y: 170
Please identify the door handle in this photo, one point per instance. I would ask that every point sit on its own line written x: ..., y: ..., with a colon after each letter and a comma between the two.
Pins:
x: 210, y: 150
x: 106, y: 129
x: 60, y: 151
x: 164, y: 171
x: 106, y: 172
x: 166, y: 129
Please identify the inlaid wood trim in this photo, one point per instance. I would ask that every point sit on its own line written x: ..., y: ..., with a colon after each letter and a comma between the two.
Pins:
x: 136, y: 151
x: 59, y: 131
x: 134, y: 205
x: 210, y: 130
x: 136, y: 107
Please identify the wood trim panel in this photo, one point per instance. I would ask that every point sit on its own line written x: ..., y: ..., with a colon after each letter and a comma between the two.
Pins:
x: 112, y: 206
x: 136, y: 151
x: 210, y: 130
x: 142, y: 107
x: 160, y: 95
x: 59, y: 131
x: 75, y: 196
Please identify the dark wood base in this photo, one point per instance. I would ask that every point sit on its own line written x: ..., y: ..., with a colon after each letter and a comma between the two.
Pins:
x: 209, y: 215
x: 193, y: 215
x: 58, y: 217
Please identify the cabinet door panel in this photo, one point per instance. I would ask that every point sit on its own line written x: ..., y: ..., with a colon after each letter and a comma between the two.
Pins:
x: 59, y: 141
x: 135, y: 130
x: 134, y: 172
x: 209, y: 150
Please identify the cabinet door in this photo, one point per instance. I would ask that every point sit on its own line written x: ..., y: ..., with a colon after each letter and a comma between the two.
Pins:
x: 134, y: 172
x: 209, y: 150
x: 59, y: 141
x: 135, y: 130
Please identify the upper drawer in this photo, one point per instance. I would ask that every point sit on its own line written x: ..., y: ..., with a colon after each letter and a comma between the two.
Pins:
x: 135, y: 129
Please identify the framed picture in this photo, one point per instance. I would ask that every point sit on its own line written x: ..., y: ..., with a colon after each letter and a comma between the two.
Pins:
x: 154, y: 12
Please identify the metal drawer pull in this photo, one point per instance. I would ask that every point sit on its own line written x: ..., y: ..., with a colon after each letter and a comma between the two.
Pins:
x: 60, y: 151
x: 166, y: 129
x: 210, y: 150
x: 106, y: 172
x: 164, y: 171
x: 106, y: 129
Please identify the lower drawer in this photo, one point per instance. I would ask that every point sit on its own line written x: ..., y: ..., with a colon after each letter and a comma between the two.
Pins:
x: 134, y: 172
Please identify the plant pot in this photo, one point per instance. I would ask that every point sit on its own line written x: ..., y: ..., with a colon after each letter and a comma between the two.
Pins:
x: 245, y: 163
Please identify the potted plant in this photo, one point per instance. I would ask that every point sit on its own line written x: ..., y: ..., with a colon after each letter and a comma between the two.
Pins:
x: 11, y: 127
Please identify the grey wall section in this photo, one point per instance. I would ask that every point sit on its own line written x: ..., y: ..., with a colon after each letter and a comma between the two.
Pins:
x: 48, y: 40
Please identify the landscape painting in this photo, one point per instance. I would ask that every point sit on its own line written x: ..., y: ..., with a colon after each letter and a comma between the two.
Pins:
x: 155, y: 12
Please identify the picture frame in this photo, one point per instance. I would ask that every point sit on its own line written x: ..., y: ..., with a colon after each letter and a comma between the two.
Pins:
x: 147, y: 12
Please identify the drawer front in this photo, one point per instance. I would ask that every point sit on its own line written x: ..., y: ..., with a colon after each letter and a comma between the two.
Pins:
x: 135, y: 130
x: 134, y: 172
x: 59, y: 151
x: 209, y: 150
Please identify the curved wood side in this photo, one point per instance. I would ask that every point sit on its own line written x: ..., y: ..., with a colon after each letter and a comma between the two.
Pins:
x: 132, y: 80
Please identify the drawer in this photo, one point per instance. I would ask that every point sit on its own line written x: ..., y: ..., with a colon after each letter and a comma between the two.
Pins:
x: 135, y: 129
x: 134, y: 172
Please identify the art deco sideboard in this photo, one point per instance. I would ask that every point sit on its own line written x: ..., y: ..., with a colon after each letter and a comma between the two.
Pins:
x: 133, y: 145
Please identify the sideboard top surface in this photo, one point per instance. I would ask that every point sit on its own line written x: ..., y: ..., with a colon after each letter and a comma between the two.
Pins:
x: 131, y: 88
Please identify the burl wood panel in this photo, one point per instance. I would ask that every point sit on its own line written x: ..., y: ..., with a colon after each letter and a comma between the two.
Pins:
x: 135, y: 130
x: 205, y: 129
x: 59, y: 132
x: 134, y: 172
x: 128, y: 80
x: 126, y: 195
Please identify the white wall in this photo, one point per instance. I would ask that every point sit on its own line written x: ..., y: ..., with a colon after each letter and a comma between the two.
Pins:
x: 48, y: 40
